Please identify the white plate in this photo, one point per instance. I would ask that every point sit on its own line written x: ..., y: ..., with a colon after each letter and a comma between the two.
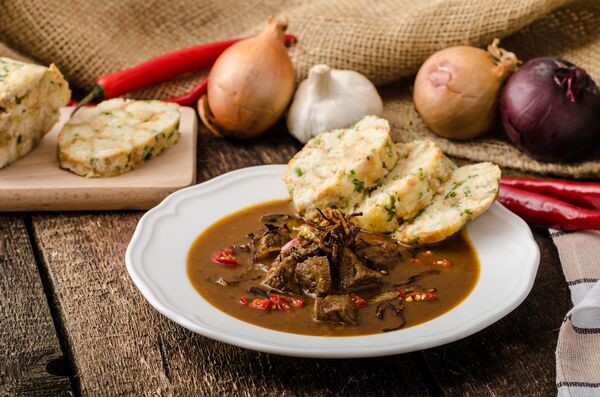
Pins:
x: 156, y: 261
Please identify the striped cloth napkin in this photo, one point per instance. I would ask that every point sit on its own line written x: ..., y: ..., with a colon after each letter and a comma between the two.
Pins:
x: 578, y: 348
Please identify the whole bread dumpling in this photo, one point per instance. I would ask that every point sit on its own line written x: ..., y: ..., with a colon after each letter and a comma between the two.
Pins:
x: 117, y: 136
x: 467, y: 194
x: 336, y: 168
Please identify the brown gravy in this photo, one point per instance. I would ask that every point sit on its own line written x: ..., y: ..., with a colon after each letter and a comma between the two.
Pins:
x: 453, y: 284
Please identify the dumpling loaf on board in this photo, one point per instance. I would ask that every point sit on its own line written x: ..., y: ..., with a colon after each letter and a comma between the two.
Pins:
x: 30, y: 99
x: 117, y: 136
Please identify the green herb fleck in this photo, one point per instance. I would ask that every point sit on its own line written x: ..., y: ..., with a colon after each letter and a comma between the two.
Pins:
x: 298, y: 171
x: 467, y: 211
x: 359, y: 186
x: 391, y: 209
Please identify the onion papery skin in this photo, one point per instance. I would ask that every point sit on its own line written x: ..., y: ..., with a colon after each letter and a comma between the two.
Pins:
x: 251, y: 84
x: 546, y: 119
x: 456, y: 92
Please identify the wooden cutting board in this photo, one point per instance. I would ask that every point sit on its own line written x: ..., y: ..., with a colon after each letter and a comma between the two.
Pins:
x: 36, y: 183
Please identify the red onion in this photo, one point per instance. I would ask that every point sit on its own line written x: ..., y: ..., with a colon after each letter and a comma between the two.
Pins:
x: 550, y: 109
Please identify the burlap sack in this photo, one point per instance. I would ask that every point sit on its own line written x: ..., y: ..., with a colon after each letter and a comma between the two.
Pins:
x: 385, y: 40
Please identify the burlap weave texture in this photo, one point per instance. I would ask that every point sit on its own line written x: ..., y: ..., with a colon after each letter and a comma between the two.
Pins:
x: 386, y: 40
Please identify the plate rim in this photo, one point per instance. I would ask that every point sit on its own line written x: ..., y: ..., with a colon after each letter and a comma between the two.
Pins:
x: 169, y: 207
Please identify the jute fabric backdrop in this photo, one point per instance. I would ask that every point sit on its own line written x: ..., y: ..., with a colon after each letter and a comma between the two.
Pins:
x: 386, y: 40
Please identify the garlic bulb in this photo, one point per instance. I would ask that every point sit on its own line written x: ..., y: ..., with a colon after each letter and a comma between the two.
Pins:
x: 330, y: 99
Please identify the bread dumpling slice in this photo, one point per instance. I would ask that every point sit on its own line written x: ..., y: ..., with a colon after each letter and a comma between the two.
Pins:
x: 467, y: 194
x: 117, y: 136
x: 335, y: 169
x: 407, y: 188
x: 30, y: 99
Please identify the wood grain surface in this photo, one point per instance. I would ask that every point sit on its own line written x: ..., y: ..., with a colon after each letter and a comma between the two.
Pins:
x: 37, y: 183
x: 30, y: 354
x: 118, y: 345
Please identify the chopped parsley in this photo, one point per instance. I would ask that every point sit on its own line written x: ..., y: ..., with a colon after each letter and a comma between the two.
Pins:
x: 467, y: 211
x: 317, y: 141
x: 359, y: 186
x: 391, y: 209
x: 298, y: 171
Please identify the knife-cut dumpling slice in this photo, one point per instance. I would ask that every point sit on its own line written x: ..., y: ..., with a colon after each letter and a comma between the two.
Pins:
x: 467, y: 194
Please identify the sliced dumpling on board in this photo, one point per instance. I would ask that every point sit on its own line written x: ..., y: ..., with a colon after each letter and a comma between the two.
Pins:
x: 407, y: 188
x: 336, y: 168
x: 30, y: 98
x: 117, y: 136
x: 467, y: 194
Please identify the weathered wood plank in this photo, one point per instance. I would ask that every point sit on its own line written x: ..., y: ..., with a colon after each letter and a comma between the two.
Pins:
x: 121, y: 345
x: 28, y: 341
x: 515, y: 356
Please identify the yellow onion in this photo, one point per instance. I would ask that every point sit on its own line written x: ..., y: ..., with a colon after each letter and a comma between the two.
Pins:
x: 250, y: 85
x: 457, y: 89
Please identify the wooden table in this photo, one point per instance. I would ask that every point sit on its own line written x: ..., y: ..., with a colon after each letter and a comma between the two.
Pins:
x: 72, y: 322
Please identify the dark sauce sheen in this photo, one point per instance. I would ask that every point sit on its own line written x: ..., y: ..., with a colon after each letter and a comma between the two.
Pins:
x: 453, y: 284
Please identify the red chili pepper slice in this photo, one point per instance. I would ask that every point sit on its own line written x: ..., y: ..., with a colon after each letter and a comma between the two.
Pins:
x: 444, y: 263
x: 401, y: 293
x: 415, y: 261
x: 244, y: 300
x: 260, y: 304
x: 297, y: 302
x: 225, y: 257
x: 358, y: 301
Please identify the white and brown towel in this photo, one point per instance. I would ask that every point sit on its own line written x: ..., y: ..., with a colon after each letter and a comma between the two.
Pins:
x: 578, y: 348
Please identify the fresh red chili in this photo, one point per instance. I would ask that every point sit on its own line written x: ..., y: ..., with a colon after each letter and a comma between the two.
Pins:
x: 401, y: 293
x: 585, y: 194
x: 161, y: 68
x: 415, y: 261
x: 244, y: 300
x: 543, y: 210
x: 358, y: 301
x: 192, y: 96
x: 225, y: 257
x: 444, y: 263
x: 260, y: 304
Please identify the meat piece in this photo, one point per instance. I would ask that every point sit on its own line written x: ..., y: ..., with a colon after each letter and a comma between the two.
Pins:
x: 271, y: 240
x: 281, y: 275
x: 378, y: 250
x: 335, y: 308
x: 354, y: 274
x: 314, y: 275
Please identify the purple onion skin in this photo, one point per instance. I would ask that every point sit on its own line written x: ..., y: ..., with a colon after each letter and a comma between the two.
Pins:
x: 550, y: 109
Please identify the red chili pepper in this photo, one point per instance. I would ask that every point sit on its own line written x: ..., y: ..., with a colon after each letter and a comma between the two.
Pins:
x: 358, y: 301
x: 244, y: 300
x: 429, y: 297
x: 401, y: 293
x: 586, y: 194
x: 161, y: 68
x: 260, y: 304
x: 415, y: 261
x: 444, y: 263
x: 225, y: 257
x: 542, y: 210
x: 297, y: 302
x: 191, y: 97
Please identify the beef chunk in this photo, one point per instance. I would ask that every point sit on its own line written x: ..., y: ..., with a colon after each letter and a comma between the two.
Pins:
x: 335, y: 308
x: 380, y: 251
x: 270, y: 240
x: 314, y: 275
x: 281, y: 275
x: 354, y: 274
